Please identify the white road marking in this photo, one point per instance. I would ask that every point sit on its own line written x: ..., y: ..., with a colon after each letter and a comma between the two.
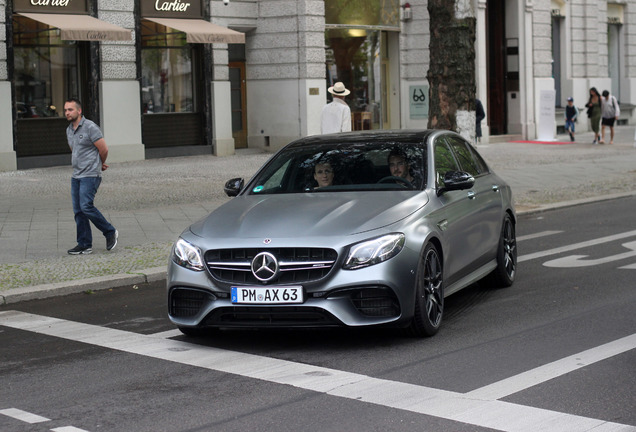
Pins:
x: 580, y: 261
x: 24, y: 416
x: 68, y: 429
x: 454, y: 406
x: 555, y: 369
x: 537, y: 235
x: 167, y: 334
x: 575, y: 246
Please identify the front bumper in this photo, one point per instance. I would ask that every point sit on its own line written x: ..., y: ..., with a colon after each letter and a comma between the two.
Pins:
x: 377, y: 295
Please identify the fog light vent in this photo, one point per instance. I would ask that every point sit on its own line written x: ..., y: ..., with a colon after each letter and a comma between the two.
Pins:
x: 186, y: 302
x: 376, y: 302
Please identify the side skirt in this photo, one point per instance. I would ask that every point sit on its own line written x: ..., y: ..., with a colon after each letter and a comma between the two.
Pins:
x: 471, y: 278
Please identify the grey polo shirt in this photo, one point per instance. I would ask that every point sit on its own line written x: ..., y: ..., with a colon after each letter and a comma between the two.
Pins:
x: 85, y: 156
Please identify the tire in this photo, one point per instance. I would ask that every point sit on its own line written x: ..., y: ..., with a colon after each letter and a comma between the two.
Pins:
x: 429, y: 294
x: 197, y: 331
x: 504, y: 275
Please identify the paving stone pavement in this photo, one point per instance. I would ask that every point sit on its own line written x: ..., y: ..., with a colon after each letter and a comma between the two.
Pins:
x: 150, y: 203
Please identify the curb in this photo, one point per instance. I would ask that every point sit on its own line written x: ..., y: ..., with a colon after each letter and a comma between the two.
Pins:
x: 574, y: 203
x: 17, y: 295
x: 155, y: 274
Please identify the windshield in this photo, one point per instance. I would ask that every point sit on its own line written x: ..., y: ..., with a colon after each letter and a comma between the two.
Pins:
x: 335, y: 167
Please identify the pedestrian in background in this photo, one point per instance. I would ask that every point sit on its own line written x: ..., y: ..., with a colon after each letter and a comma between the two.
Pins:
x: 88, y: 156
x: 594, y: 109
x: 480, y: 114
x: 336, y: 115
x: 611, y: 111
x: 571, y: 114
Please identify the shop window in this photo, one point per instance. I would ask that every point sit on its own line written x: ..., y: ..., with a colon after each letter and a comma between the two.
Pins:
x: 46, y: 69
x: 167, y: 70
x: 357, y: 54
x: 385, y: 13
x: 356, y: 57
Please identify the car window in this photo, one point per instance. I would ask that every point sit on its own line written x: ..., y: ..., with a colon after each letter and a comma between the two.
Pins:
x: 444, y: 161
x: 466, y: 157
x: 276, y: 179
x: 337, y: 167
x: 483, y: 166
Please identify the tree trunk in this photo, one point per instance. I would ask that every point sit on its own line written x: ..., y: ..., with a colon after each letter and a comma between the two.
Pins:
x: 451, y: 74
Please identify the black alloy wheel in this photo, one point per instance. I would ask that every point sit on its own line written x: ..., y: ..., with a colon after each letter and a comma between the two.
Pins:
x: 504, y: 275
x: 429, y: 294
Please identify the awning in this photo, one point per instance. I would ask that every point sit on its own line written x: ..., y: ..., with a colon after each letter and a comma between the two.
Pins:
x: 82, y: 27
x: 201, y: 31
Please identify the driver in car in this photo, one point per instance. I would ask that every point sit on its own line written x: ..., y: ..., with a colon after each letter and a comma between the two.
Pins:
x: 400, y: 167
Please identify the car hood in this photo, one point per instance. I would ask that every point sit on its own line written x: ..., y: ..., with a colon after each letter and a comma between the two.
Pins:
x: 305, y: 215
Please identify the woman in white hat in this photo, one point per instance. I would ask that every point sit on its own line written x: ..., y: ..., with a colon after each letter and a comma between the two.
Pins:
x: 336, y: 116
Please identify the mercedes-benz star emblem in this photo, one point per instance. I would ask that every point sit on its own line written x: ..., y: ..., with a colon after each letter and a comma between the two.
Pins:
x: 264, y: 266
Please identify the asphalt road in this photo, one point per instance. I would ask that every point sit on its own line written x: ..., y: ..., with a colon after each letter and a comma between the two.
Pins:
x: 555, y: 352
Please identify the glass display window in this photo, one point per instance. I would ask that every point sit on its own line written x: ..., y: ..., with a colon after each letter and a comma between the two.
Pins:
x: 167, y: 70
x: 357, y: 57
x: 46, y: 69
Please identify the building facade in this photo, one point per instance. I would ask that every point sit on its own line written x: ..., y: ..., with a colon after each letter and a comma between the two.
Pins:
x: 170, y: 77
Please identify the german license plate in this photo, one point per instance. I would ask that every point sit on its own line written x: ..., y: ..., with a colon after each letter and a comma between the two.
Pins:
x: 267, y: 295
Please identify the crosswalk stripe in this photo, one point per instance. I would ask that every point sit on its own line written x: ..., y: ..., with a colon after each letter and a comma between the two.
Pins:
x: 454, y: 406
x: 24, y: 416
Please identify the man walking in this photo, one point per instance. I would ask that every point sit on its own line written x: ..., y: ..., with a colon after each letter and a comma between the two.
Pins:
x: 89, y: 153
x: 611, y: 111
x: 336, y: 116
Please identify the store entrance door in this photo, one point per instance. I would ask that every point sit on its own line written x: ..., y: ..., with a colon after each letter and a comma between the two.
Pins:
x: 239, y: 107
x: 497, y: 106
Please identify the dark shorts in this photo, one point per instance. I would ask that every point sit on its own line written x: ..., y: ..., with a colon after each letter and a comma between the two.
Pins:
x: 608, y: 121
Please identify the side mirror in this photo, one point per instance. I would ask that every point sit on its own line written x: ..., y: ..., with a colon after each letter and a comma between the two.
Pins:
x: 233, y: 186
x: 456, y: 180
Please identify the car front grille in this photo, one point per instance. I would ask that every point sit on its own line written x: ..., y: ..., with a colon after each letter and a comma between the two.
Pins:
x: 297, y: 265
x: 187, y: 302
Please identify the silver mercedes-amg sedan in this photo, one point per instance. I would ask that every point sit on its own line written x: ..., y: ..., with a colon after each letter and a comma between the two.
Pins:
x: 356, y: 229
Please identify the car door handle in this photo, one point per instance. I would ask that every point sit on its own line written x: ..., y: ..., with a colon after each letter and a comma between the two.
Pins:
x: 495, y: 188
x: 471, y: 195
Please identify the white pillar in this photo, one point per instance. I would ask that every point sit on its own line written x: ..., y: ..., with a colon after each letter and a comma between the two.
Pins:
x: 121, y: 120
x: 8, y: 160
x: 526, y: 76
x: 222, y: 138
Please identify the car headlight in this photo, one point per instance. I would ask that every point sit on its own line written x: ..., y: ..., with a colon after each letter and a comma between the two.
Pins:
x: 187, y: 255
x: 370, y: 252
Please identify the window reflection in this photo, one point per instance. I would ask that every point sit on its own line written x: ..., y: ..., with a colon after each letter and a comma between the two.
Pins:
x: 167, y: 77
x: 46, y: 69
x: 358, y: 58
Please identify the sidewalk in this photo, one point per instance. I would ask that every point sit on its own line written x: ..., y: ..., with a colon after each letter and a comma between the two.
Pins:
x: 150, y: 202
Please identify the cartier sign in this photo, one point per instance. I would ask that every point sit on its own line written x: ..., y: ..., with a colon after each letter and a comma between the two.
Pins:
x: 51, y: 6
x: 171, y: 8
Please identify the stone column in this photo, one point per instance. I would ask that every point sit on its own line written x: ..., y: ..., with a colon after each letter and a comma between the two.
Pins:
x: 119, y: 93
x: 8, y: 161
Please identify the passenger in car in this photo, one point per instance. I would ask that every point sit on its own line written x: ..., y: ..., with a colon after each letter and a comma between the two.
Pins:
x: 323, y: 174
